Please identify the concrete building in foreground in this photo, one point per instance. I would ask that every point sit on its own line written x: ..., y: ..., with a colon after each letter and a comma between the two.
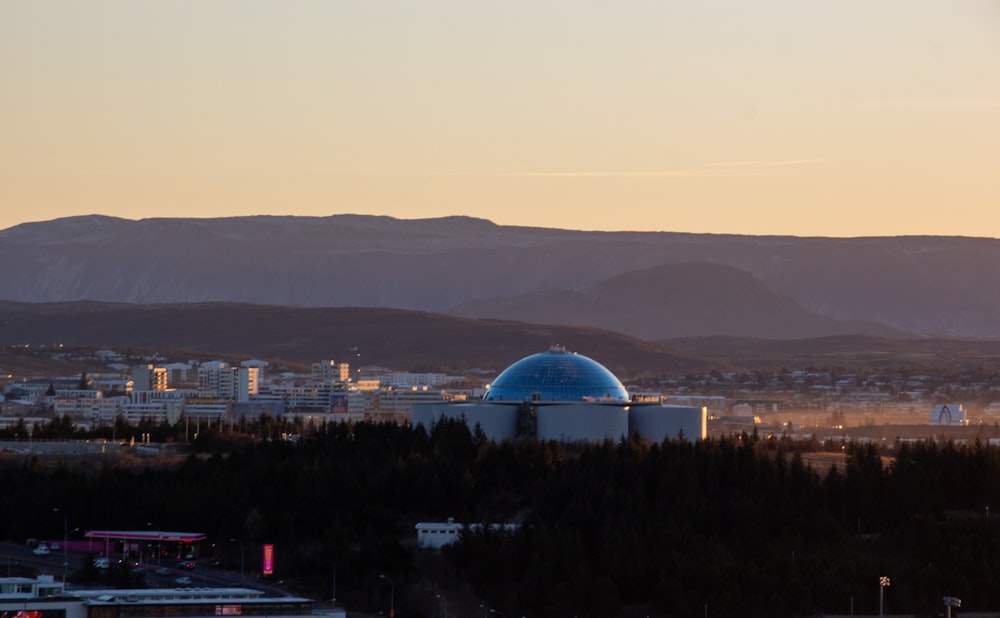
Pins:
x: 43, y: 597
x: 568, y: 397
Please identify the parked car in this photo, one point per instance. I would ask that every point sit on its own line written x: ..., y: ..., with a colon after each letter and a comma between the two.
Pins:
x: 183, y: 580
x: 41, y: 550
x: 162, y: 571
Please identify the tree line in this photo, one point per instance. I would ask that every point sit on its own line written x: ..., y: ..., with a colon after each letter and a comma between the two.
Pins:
x: 742, y: 524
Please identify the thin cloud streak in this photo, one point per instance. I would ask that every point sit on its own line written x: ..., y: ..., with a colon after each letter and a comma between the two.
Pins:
x: 739, y: 169
x: 624, y: 174
x: 767, y: 163
x: 943, y: 104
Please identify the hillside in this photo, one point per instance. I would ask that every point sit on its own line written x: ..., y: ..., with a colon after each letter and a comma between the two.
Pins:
x: 878, y: 353
x: 922, y: 286
x: 388, y: 337
x: 673, y: 300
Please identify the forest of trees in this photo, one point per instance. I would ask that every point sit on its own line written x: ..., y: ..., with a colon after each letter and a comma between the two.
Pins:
x: 742, y: 525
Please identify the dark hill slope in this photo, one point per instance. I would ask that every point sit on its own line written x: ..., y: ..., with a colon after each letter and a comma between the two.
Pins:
x: 674, y: 300
x: 848, y: 351
x: 390, y: 337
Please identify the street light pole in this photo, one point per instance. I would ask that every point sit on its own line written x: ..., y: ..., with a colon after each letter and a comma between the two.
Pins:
x: 445, y: 602
x: 242, y: 556
x: 392, y: 595
x: 65, y: 541
x: 950, y: 602
x: 333, y: 599
x: 882, y: 583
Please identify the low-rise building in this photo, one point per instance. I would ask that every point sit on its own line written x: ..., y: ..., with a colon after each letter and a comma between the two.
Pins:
x: 43, y: 597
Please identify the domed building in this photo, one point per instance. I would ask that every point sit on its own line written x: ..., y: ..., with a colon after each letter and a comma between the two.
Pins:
x: 564, y: 396
x: 556, y: 375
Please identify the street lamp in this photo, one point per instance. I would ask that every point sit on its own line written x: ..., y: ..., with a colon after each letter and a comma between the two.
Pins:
x: 882, y: 583
x: 950, y: 602
x: 392, y: 595
x: 333, y: 599
x: 66, y: 532
x: 242, y: 556
x: 486, y: 610
x: 498, y: 612
x: 445, y: 602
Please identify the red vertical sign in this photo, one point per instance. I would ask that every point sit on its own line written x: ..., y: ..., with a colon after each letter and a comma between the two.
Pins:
x: 268, y: 559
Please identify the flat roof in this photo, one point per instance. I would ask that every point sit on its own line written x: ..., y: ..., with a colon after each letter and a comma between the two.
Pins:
x: 178, y: 596
x: 146, y: 535
x: 186, y: 592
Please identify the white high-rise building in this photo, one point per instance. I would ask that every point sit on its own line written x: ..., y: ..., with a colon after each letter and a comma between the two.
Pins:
x: 215, y: 379
x: 149, y: 378
x: 248, y: 383
x: 328, y: 372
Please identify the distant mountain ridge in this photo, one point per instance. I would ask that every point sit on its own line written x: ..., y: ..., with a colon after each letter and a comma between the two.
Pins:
x: 674, y: 300
x: 792, y: 287
x: 388, y: 337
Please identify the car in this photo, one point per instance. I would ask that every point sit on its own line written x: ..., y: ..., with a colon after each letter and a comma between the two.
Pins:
x: 55, y: 546
x: 41, y: 550
x: 162, y: 571
x: 183, y: 580
x: 190, y: 565
x: 101, y: 563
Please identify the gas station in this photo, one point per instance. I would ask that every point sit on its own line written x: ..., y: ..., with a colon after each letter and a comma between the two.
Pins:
x: 145, y: 545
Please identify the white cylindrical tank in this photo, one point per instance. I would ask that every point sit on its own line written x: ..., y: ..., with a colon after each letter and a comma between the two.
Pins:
x: 582, y: 422
x: 498, y: 421
x: 659, y: 422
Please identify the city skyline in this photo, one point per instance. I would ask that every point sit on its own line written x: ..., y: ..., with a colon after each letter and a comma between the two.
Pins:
x: 776, y: 117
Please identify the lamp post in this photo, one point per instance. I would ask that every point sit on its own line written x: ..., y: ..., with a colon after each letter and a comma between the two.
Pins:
x: 65, y: 541
x: 444, y: 601
x: 486, y: 610
x: 333, y: 599
x: 950, y: 602
x: 66, y: 551
x: 882, y: 583
x: 392, y: 595
x: 498, y: 612
x: 242, y: 556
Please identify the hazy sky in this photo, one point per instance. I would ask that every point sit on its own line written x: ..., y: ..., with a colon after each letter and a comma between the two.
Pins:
x: 805, y: 117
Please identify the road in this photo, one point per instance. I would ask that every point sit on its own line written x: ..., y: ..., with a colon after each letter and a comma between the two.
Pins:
x: 13, y: 556
x: 22, y: 555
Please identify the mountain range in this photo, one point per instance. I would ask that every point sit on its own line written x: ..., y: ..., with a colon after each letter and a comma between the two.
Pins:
x: 650, y: 285
x: 300, y: 335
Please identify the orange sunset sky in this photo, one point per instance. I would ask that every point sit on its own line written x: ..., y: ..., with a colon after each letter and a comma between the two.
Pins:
x: 846, y: 118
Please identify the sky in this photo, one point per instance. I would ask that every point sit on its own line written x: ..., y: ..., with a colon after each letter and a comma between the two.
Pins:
x: 808, y: 118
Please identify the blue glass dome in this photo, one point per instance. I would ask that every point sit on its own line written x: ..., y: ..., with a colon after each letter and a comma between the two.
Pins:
x: 556, y: 375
